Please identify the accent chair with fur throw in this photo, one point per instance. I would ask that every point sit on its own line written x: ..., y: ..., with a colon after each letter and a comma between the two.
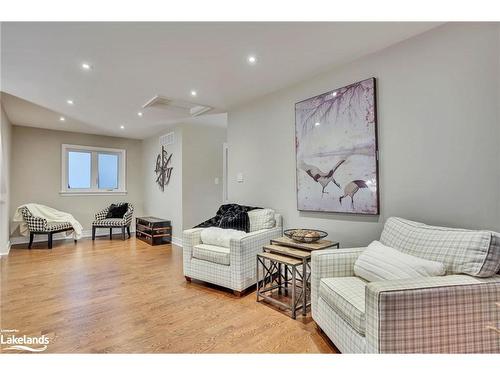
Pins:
x: 217, y: 253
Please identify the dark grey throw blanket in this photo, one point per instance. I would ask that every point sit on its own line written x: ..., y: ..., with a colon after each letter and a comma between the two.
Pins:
x: 230, y: 216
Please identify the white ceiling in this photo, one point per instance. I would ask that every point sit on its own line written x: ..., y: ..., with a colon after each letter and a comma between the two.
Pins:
x: 132, y: 62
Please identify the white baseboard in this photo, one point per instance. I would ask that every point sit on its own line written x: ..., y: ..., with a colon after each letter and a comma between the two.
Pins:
x: 177, y: 241
x: 6, y: 249
x: 87, y: 233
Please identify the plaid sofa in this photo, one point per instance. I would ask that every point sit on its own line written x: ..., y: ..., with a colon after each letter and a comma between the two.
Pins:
x: 455, y: 313
x: 233, y: 268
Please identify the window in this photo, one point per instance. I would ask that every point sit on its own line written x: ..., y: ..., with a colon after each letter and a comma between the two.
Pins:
x: 79, y: 170
x: 108, y: 171
x: 92, y: 170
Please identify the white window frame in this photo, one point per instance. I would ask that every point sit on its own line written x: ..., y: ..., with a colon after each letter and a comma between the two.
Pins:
x: 94, y: 151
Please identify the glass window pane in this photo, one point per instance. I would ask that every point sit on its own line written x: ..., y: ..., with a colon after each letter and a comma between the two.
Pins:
x: 108, y: 171
x: 79, y: 164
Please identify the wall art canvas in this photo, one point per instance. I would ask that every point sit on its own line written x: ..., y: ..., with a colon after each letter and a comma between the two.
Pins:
x: 336, y: 150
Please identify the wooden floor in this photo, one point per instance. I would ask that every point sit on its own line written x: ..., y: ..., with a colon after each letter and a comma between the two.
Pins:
x: 128, y: 297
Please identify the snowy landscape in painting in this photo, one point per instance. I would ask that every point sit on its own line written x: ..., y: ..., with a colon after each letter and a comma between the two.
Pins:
x: 336, y: 149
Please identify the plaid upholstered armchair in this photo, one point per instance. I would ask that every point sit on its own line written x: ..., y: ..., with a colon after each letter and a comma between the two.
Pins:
x: 102, y: 221
x: 233, y: 267
x: 455, y: 313
x: 38, y: 225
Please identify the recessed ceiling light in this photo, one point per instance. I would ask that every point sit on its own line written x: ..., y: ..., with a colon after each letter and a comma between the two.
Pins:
x: 317, y: 124
x: 122, y: 126
x: 251, y: 59
x: 62, y: 119
x: 70, y: 101
x: 193, y: 93
x: 139, y: 114
x: 86, y: 66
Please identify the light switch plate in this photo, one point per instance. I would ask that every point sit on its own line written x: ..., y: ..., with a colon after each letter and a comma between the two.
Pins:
x: 216, y: 181
x: 239, y: 177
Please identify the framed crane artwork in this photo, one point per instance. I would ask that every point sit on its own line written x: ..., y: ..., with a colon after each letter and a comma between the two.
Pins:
x: 337, y: 152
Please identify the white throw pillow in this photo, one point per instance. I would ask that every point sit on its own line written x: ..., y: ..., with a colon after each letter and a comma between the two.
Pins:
x: 380, y: 262
x: 219, y: 236
x: 261, y: 218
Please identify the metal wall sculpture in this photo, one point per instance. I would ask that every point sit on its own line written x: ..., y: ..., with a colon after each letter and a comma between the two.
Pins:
x: 163, y: 169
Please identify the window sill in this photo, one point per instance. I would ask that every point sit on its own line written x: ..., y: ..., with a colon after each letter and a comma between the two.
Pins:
x: 81, y: 193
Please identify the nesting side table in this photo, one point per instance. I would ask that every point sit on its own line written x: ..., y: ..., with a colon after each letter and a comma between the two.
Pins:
x: 285, y: 265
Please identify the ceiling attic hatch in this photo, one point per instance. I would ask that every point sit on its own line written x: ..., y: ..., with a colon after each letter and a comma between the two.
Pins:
x: 163, y: 102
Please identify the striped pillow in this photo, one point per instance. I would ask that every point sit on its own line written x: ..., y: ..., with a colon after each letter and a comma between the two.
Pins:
x: 380, y: 262
x: 473, y: 252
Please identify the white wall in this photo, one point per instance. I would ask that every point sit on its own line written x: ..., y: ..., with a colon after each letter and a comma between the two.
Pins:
x: 5, y: 170
x: 164, y: 204
x: 498, y: 111
x: 36, y: 172
x: 438, y: 99
x: 36, y: 163
x: 191, y: 196
x: 202, y: 163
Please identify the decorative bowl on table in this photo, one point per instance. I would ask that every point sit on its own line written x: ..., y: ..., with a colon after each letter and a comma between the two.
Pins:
x: 305, y: 235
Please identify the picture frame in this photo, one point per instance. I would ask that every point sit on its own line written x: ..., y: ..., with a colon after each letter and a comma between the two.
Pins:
x: 336, y: 148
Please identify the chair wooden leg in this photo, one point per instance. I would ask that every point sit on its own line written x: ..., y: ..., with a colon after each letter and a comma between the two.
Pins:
x: 50, y: 240
x: 93, y: 233
x: 32, y: 236
x: 110, y: 233
x: 188, y: 279
x: 123, y: 233
x: 128, y: 231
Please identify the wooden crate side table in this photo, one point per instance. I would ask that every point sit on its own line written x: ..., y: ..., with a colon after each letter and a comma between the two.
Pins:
x: 153, y: 230
x: 289, y: 256
x: 272, y: 265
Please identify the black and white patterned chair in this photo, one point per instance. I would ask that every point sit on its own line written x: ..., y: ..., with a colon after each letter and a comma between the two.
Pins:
x: 102, y: 222
x: 38, y: 225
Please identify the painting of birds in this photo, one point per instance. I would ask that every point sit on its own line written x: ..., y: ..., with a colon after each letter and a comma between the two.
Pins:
x: 321, y: 177
x: 336, y: 144
x: 351, y: 189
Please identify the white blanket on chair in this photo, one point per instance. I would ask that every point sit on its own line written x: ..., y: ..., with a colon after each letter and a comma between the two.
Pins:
x: 220, y: 237
x: 50, y: 214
